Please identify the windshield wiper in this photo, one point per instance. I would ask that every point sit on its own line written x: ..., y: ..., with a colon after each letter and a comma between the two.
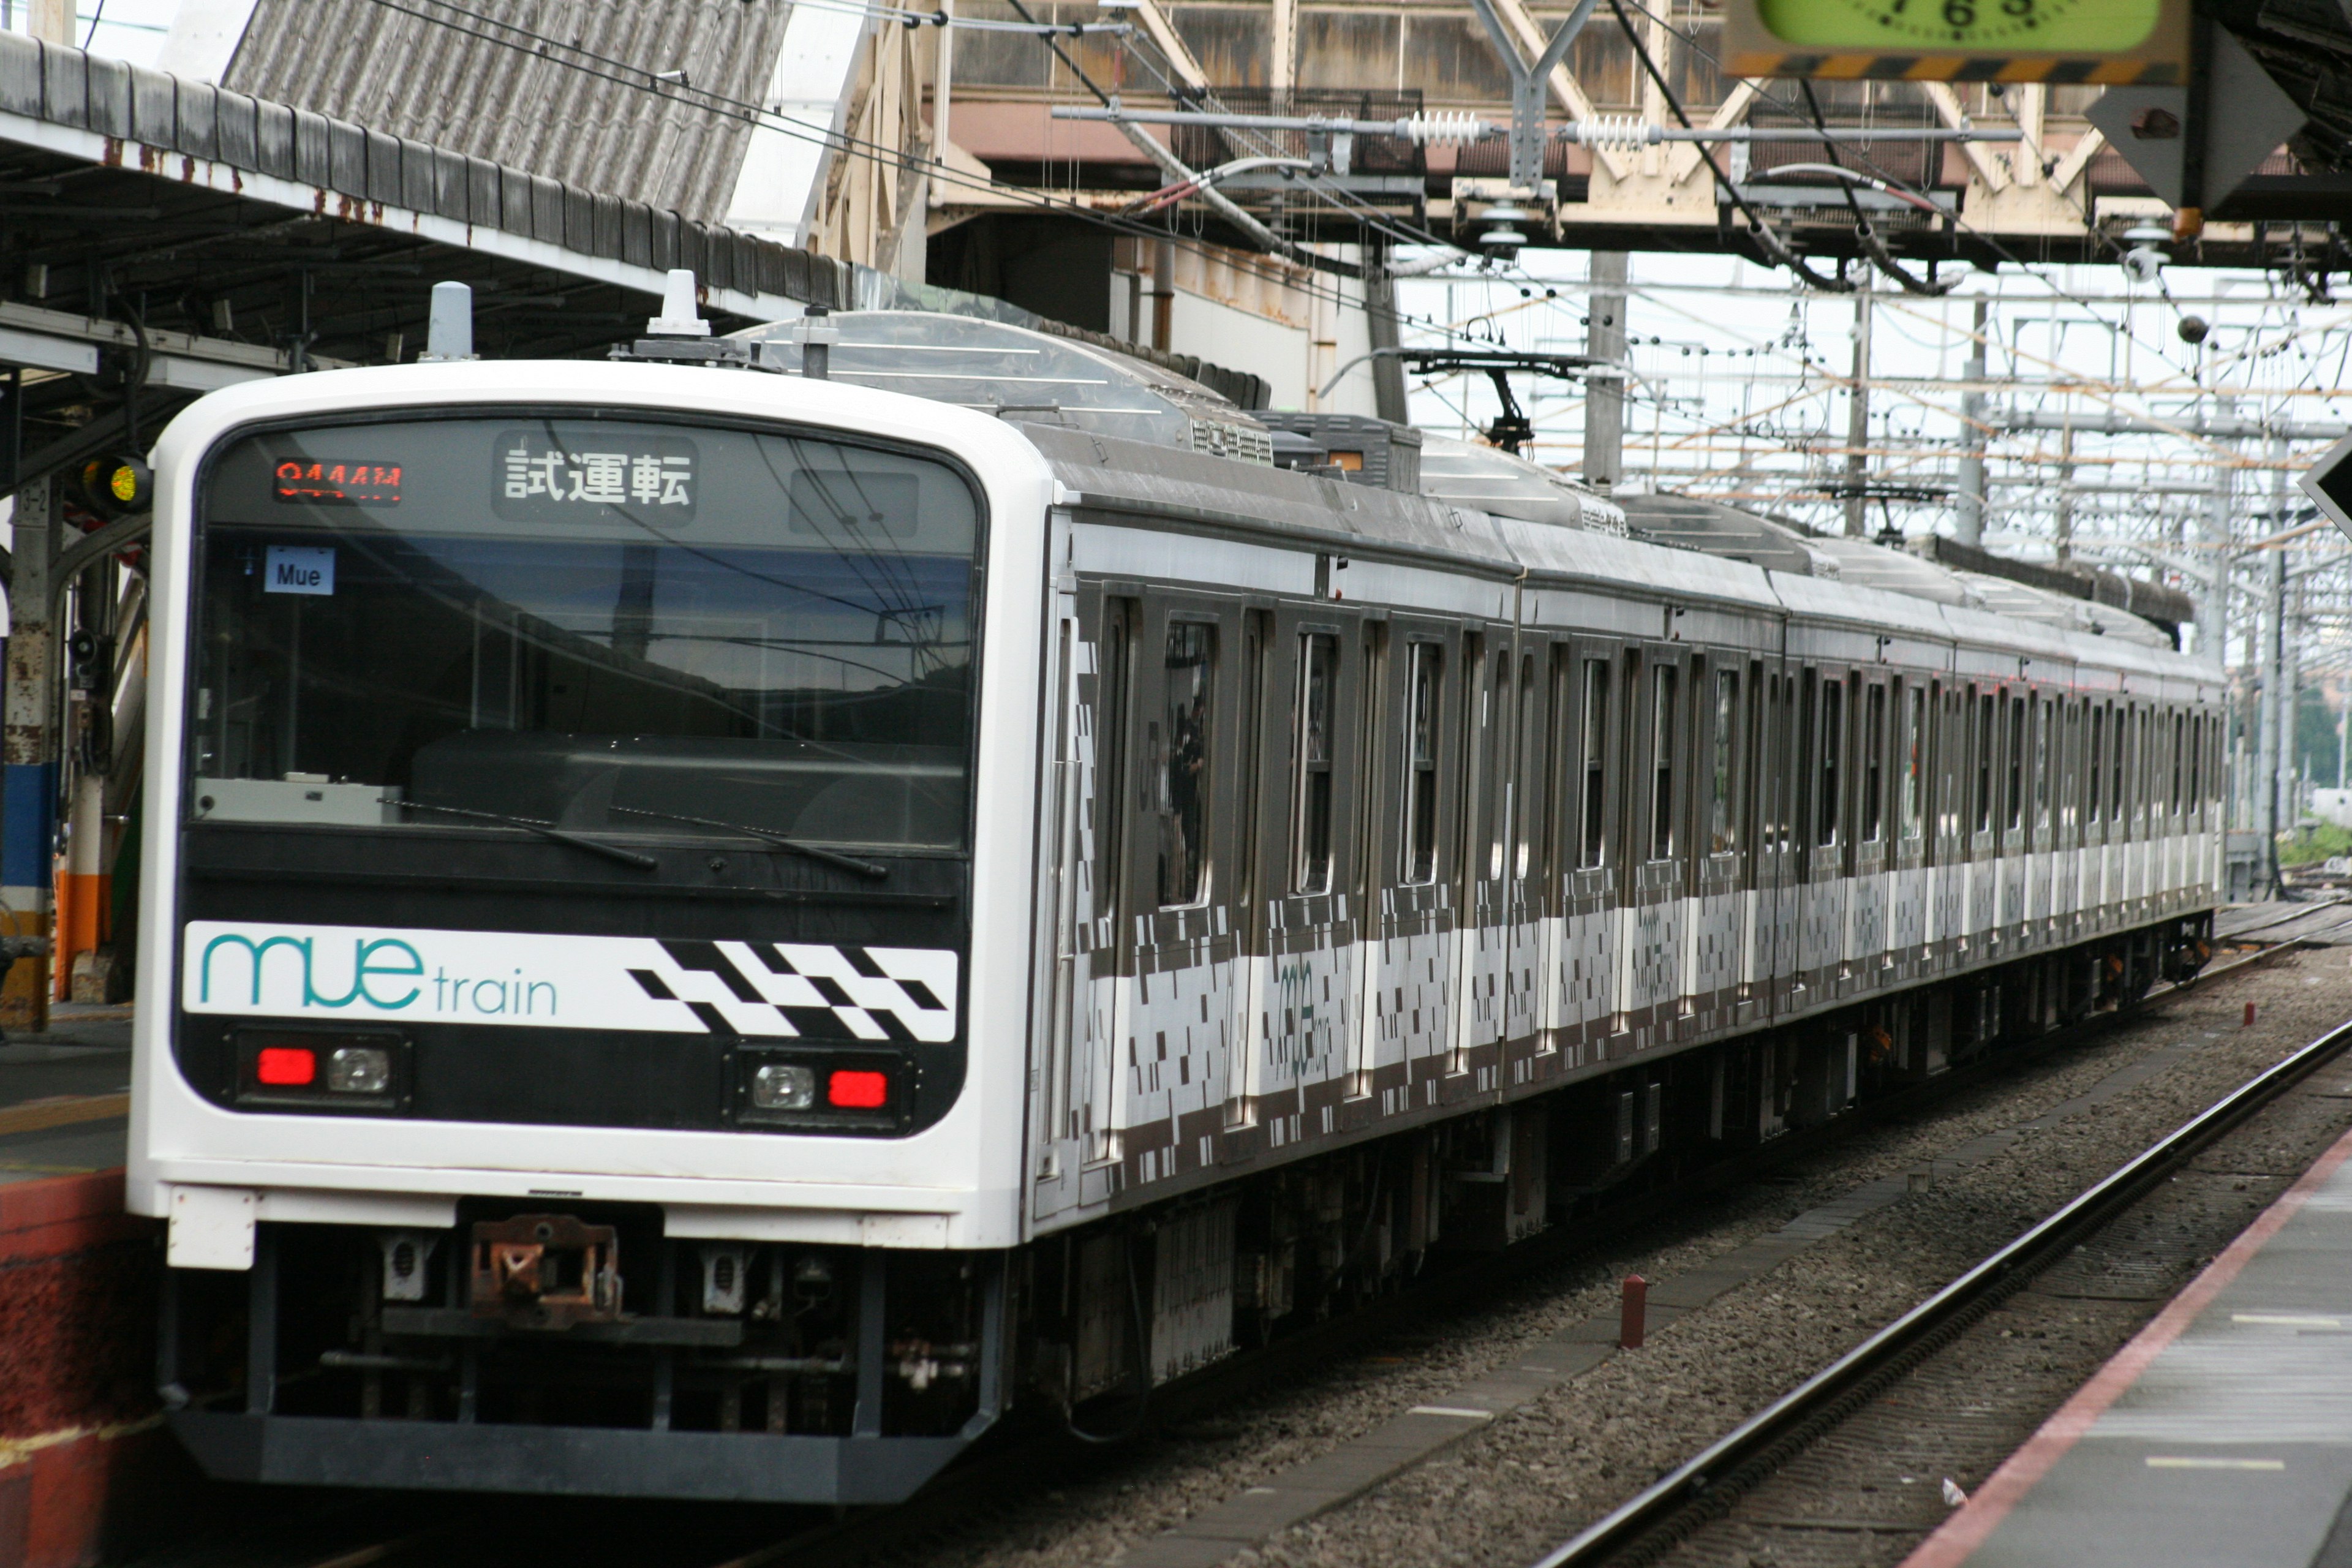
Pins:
x: 765, y: 835
x: 545, y: 830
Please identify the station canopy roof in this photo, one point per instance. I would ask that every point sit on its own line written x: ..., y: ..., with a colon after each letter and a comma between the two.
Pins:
x: 217, y: 237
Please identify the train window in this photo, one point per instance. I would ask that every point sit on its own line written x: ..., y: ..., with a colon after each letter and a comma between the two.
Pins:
x: 1662, y: 707
x: 1914, y: 762
x: 1832, y: 744
x: 2042, y: 727
x: 1596, y: 758
x: 1424, y: 668
x: 2095, y: 771
x: 2017, y: 744
x: 1495, y: 793
x: 1111, y: 699
x: 1185, y: 777
x: 1723, y: 837
x: 2120, y: 734
x: 1874, y: 760
x: 2143, y: 776
x: 2195, y: 798
x: 1984, y: 761
x: 1530, y: 764
x: 1319, y: 676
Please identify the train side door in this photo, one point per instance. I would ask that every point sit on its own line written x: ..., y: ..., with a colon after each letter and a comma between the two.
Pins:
x: 1654, y: 905
x: 1591, y: 797
x: 1711, y: 979
x: 1907, y: 922
x: 1184, y: 867
x: 1777, y: 862
x: 1301, y: 1022
x: 1409, y: 970
x: 1822, y: 836
x: 1528, y: 843
x: 1482, y: 937
x: 1866, y: 913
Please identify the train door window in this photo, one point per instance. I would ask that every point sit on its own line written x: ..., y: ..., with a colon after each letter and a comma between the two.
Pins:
x: 1662, y: 709
x: 1985, y: 742
x: 1113, y: 696
x: 1494, y: 792
x: 1527, y: 789
x: 1258, y: 638
x: 1310, y: 832
x: 1914, y: 761
x: 2180, y: 758
x: 1594, y: 747
x: 2194, y: 801
x: 1723, y: 832
x: 2144, y: 774
x: 2094, y: 774
x: 1186, y: 777
x: 1874, y: 762
x: 2017, y: 748
x: 1424, y: 668
x: 1827, y: 800
x: 1803, y: 780
x: 2044, y: 722
x: 2120, y: 737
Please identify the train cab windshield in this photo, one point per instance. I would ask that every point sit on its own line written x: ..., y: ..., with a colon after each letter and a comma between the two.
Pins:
x: 608, y: 625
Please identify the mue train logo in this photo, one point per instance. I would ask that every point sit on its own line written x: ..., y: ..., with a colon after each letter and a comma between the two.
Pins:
x: 533, y: 980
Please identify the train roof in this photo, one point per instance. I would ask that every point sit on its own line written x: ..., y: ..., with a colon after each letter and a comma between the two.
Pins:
x: 1865, y: 587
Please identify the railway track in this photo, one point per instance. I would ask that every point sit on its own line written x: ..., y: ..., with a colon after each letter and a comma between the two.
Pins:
x: 1706, y: 1486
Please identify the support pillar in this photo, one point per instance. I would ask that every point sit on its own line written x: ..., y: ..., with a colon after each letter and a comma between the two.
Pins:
x: 1380, y: 326
x: 1969, y: 523
x: 28, y: 756
x: 1604, y: 392
x: 1857, y: 423
x: 2213, y: 596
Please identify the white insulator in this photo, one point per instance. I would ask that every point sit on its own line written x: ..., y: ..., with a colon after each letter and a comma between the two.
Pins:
x: 1620, y: 130
x: 1447, y: 128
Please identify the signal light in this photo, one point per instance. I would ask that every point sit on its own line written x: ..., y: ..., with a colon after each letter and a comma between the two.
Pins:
x: 851, y: 1088
x: 285, y: 1067
x: 117, y: 486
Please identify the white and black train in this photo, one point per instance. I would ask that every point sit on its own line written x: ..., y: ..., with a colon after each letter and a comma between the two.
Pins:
x: 719, y: 931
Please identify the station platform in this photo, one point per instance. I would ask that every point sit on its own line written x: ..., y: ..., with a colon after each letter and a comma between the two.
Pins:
x: 2220, y: 1435
x: 65, y: 1095
x: 83, y: 1456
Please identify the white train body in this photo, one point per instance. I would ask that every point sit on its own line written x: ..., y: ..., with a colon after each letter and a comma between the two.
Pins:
x: 1316, y: 875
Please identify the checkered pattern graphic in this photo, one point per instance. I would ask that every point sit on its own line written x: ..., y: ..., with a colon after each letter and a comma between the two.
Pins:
x: 802, y: 991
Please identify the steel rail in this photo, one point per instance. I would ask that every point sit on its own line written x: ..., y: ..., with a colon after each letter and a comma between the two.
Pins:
x: 1702, y: 1486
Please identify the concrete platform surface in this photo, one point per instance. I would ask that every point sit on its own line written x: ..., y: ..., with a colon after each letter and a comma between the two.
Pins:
x: 65, y: 1095
x: 2220, y: 1435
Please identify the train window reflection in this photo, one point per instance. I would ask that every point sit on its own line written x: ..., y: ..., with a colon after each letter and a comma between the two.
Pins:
x: 1662, y: 763
x: 1596, y: 758
x: 605, y: 624
x: 1318, y: 661
x: 1421, y: 763
x: 1183, y: 762
x: 1832, y: 748
x: 1722, y: 836
x: 1914, y: 761
x: 1874, y: 760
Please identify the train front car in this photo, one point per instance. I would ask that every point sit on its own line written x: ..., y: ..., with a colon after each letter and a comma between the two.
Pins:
x: 585, y: 1052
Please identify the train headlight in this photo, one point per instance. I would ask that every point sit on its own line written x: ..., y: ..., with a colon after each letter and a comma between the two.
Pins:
x: 781, y: 1086
x: 358, y: 1069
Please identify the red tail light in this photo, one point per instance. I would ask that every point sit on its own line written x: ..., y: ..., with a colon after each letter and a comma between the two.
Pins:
x: 857, y: 1091
x: 287, y: 1067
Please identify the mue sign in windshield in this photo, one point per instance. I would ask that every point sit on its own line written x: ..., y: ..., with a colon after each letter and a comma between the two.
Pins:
x: 311, y: 481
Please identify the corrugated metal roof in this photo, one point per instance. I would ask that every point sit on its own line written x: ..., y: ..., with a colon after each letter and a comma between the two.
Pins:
x: 557, y: 87
x: 339, y: 168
